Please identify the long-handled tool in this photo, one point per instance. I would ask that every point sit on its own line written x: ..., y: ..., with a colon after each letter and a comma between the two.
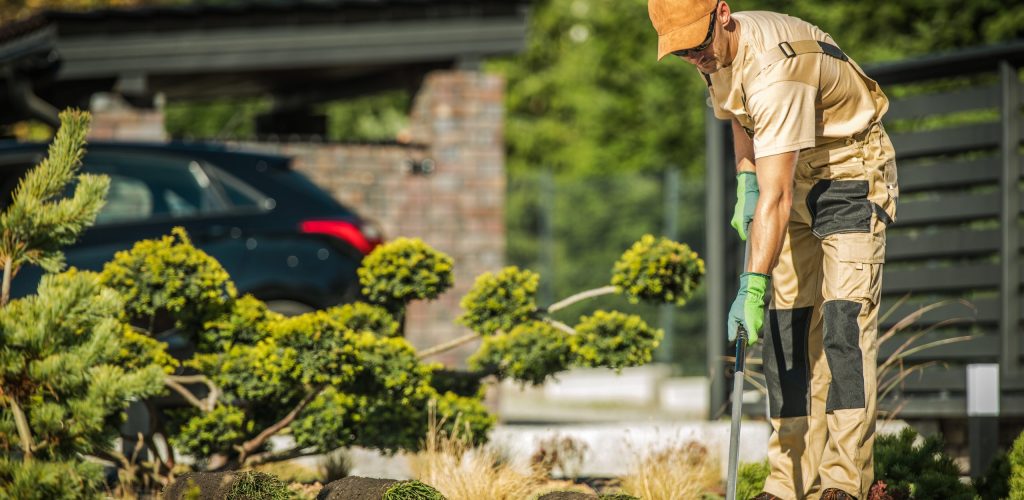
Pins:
x: 737, y: 399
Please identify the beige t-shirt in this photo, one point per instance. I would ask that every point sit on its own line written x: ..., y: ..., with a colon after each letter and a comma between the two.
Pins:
x: 795, y: 103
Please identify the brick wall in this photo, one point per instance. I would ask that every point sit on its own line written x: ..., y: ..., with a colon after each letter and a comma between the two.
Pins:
x: 457, y: 121
x: 115, y: 120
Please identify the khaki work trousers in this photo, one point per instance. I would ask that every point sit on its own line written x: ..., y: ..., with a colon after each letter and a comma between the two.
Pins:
x: 820, y: 337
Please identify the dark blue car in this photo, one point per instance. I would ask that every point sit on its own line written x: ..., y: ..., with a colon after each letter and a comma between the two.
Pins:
x: 279, y: 236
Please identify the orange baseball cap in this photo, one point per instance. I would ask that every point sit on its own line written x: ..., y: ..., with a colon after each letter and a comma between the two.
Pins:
x: 681, y: 24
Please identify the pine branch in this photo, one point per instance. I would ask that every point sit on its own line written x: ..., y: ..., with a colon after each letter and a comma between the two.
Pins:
x: 24, y: 432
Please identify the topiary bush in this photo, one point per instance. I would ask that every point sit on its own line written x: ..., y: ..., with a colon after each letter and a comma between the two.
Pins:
x: 922, y: 470
x: 614, y: 340
x: 529, y: 352
x: 403, y: 270
x: 500, y: 301
x: 526, y: 343
x: 658, y: 270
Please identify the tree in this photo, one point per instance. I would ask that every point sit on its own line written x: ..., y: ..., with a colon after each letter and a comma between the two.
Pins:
x: 344, y: 376
x: 65, y: 379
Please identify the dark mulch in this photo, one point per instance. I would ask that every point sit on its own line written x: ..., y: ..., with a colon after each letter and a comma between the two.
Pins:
x: 211, y: 485
x: 356, y: 488
x: 567, y: 495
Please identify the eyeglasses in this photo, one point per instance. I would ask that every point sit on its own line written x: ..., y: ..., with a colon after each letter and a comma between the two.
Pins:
x: 703, y: 45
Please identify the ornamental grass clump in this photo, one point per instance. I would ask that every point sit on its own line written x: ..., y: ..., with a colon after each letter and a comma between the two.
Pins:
x: 680, y: 471
x: 658, y: 270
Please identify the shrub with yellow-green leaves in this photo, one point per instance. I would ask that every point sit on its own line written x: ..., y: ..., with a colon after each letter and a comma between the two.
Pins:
x: 612, y: 339
x: 500, y: 301
x: 529, y: 352
x: 403, y: 270
x: 658, y: 270
x: 168, y: 279
x: 360, y: 316
x: 209, y: 433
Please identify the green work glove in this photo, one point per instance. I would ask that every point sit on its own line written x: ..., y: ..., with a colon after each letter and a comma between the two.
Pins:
x: 748, y: 308
x: 746, y: 200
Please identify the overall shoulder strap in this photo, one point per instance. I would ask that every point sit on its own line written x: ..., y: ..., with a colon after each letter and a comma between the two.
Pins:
x: 787, y: 50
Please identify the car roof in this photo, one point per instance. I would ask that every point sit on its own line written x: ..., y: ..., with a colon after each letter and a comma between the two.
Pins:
x: 203, y: 149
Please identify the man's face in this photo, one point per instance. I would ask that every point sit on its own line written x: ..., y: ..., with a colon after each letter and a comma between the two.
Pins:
x: 708, y: 56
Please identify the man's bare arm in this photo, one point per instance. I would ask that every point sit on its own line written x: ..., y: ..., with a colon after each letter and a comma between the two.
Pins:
x: 775, y: 181
x: 743, y: 147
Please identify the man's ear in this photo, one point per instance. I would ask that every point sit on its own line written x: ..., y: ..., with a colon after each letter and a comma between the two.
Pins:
x: 724, y: 13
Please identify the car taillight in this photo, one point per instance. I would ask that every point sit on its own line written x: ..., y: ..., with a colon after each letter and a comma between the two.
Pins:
x: 345, y: 231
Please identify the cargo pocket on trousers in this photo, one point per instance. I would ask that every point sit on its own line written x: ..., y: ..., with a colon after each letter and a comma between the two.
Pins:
x: 855, y: 272
x: 838, y: 206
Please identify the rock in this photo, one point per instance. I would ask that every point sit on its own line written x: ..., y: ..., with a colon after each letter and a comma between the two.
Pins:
x: 356, y: 488
x: 567, y: 495
x: 210, y: 484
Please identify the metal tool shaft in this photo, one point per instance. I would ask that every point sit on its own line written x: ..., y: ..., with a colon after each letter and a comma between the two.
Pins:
x: 737, y: 413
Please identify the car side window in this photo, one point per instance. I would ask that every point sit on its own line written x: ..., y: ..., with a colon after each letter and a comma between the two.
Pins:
x: 145, y: 185
x: 238, y: 192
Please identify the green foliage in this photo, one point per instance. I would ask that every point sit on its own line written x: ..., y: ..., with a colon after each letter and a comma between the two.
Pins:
x: 139, y: 351
x: 247, y: 322
x: 40, y: 221
x: 58, y: 351
x: 750, y: 478
x: 253, y: 485
x: 169, y: 276
x: 403, y: 270
x: 363, y: 317
x: 208, y: 433
x: 45, y: 480
x: 659, y: 270
x: 411, y: 490
x: 917, y: 471
x: 1016, y: 459
x: 498, y: 302
x: 530, y: 352
x: 995, y: 483
x: 614, y: 340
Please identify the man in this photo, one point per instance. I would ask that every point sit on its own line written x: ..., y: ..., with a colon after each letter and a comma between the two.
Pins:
x: 816, y: 189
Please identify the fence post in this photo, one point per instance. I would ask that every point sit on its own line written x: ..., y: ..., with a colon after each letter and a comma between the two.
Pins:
x: 982, y: 415
x: 717, y: 255
x: 670, y: 229
x: 1009, y: 322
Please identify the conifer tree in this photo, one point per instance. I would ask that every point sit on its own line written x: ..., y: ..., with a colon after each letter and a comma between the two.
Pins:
x: 65, y: 370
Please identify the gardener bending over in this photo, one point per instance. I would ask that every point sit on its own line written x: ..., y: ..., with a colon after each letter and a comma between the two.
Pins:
x: 808, y: 138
